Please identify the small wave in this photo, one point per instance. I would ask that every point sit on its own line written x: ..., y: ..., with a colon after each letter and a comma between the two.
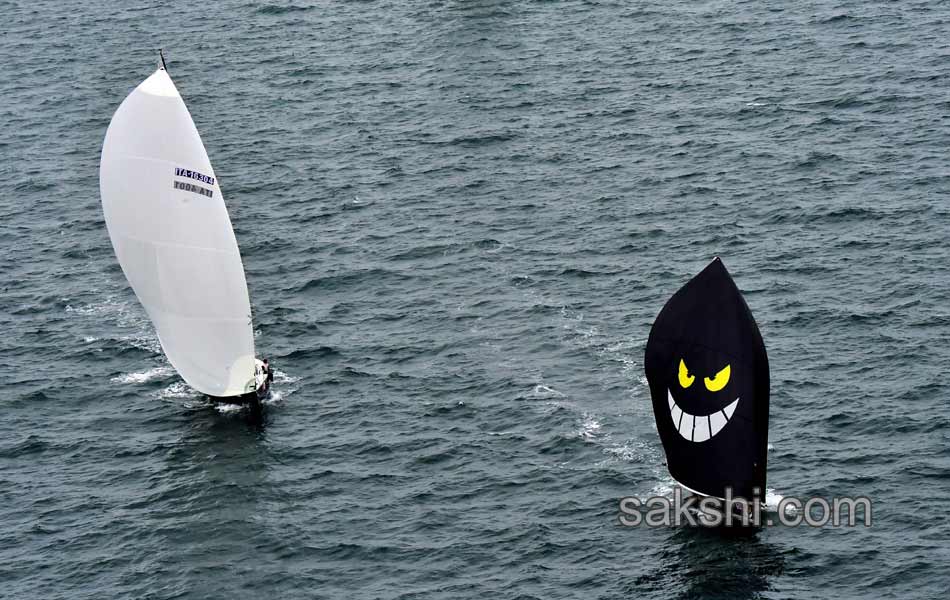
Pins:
x: 488, y: 245
x: 478, y: 140
x: 620, y: 346
x: 342, y: 280
x: 120, y: 308
x: 179, y: 389
x: 543, y: 392
x: 33, y: 185
x: 589, y: 429
x: 423, y: 252
x: 226, y: 409
x: 816, y: 158
x: 143, y: 342
x: 628, y: 452
x: 582, y: 273
x: 836, y: 19
x: 357, y: 204
x: 273, y: 9
x: 317, y: 353
x: 30, y: 445
x: 664, y: 488
x: 143, y: 376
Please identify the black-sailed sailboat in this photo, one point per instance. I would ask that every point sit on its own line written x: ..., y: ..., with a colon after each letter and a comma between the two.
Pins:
x: 709, y: 380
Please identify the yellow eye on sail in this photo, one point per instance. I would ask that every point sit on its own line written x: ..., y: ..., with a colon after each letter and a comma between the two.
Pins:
x: 686, y: 379
x: 719, y: 381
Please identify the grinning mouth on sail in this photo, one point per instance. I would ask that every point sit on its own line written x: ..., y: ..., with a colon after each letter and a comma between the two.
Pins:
x: 702, y: 427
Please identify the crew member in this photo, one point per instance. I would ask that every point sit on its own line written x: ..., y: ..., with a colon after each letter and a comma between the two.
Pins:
x: 267, y: 372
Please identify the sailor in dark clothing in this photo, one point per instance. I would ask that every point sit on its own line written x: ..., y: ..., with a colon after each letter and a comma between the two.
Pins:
x: 267, y: 372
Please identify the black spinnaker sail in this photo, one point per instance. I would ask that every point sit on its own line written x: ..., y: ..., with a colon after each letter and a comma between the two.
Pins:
x: 709, y: 379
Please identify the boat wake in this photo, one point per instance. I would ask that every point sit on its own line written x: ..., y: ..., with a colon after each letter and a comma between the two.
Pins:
x: 589, y: 429
x: 194, y: 400
x: 772, y: 500
x: 630, y: 451
x: 145, y: 376
x: 664, y: 489
x: 178, y: 390
x: 124, y: 315
x: 274, y: 398
x: 282, y: 377
x: 226, y: 409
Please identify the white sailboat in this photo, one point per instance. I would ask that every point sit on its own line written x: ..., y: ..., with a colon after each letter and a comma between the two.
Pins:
x: 172, y: 235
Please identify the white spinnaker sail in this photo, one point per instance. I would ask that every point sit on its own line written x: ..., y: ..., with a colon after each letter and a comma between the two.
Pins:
x: 172, y: 235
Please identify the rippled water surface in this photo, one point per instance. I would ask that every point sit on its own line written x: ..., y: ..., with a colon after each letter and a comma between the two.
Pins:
x: 458, y: 221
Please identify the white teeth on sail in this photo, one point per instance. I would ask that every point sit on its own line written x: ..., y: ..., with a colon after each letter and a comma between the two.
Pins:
x: 676, y: 413
x: 717, y: 420
x: 699, y: 428
x: 730, y: 409
x: 686, y: 426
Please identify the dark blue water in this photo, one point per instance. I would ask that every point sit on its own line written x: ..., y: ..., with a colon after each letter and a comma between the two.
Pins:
x: 458, y: 221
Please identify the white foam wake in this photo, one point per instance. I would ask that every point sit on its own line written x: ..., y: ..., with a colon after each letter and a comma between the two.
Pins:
x: 274, y: 398
x: 772, y: 500
x: 177, y: 390
x: 144, y: 376
x: 589, y: 428
x: 282, y: 377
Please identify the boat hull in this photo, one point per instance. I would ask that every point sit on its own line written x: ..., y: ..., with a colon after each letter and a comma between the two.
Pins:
x: 739, y: 510
x: 253, y: 400
x: 250, y: 398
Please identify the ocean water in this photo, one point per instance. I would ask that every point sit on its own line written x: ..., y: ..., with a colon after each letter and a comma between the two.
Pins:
x: 458, y: 221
